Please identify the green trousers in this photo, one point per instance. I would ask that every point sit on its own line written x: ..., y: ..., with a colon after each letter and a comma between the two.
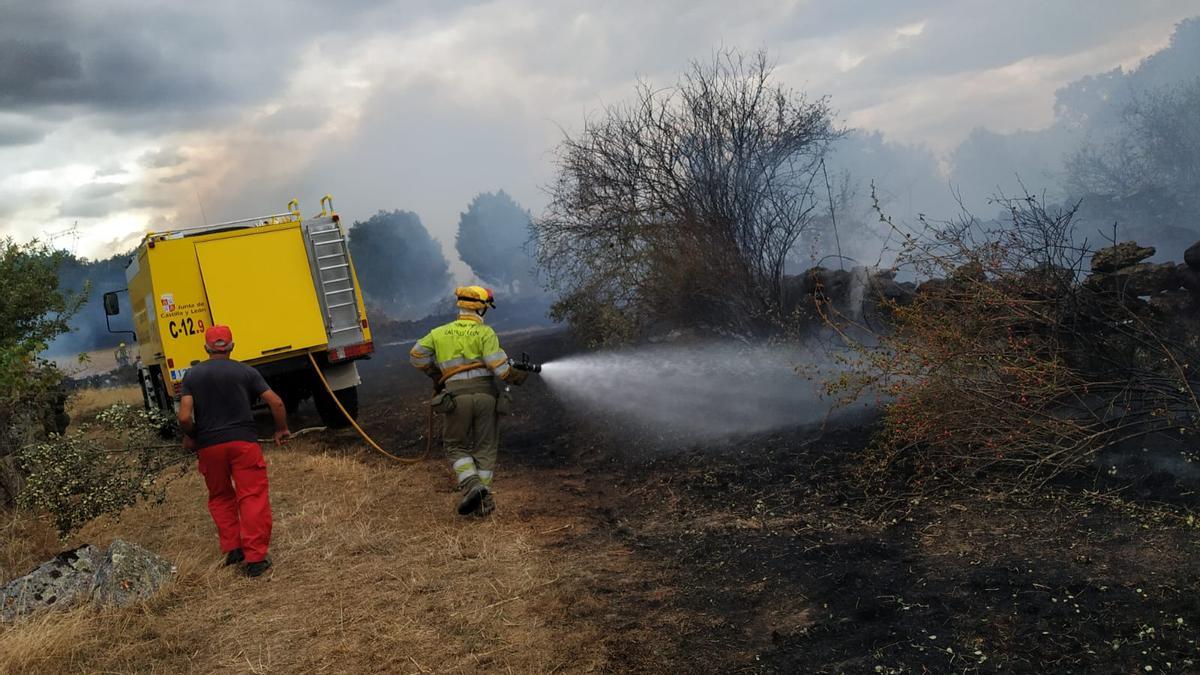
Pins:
x: 471, y: 436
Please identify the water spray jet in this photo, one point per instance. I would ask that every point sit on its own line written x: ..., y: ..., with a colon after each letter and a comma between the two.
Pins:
x: 694, y: 392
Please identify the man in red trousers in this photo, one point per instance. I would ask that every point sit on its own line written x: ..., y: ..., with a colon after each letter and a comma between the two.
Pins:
x: 217, y: 421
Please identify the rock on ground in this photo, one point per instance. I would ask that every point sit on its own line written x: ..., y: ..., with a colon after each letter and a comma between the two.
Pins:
x: 1124, y: 254
x: 129, y: 574
x: 1189, y: 277
x: 1192, y: 256
x: 124, y: 574
x: 63, y: 581
x: 1148, y: 278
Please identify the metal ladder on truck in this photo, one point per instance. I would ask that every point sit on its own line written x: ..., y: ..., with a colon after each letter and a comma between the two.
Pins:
x: 331, y: 273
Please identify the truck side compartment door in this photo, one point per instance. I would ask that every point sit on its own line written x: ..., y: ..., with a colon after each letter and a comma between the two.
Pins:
x: 259, y: 284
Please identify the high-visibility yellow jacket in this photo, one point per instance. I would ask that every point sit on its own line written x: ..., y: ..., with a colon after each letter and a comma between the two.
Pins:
x: 461, y: 350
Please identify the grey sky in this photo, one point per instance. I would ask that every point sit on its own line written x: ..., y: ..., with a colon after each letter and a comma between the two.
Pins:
x: 127, y: 115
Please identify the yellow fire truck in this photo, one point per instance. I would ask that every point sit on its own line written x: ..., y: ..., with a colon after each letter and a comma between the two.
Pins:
x: 283, y: 283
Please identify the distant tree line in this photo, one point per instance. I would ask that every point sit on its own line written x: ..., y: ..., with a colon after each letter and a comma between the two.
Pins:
x: 405, y: 273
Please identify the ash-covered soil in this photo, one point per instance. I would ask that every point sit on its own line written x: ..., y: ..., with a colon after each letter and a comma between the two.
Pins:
x: 761, y: 554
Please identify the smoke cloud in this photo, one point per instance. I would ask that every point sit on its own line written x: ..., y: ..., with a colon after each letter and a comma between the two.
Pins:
x: 1095, y: 116
x: 88, y: 328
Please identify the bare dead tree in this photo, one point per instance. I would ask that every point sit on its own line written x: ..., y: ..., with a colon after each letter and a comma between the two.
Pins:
x: 694, y: 194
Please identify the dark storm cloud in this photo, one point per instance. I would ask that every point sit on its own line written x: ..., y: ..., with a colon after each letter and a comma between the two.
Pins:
x: 179, y: 177
x: 162, y: 159
x: 109, y: 170
x: 143, y: 66
x: 121, y: 75
x: 300, y: 117
x: 150, y: 202
x: 15, y: 132
x: 822, y: 19
x: 32, y: 70
x: 93, y: 200
x: 970, y: 36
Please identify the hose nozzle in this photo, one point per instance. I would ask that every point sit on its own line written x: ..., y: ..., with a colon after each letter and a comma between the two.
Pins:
x: 525, y: 364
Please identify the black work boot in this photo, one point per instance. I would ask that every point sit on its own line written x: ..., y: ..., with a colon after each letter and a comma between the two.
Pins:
x: 487, y: 505
x: 234, y: 557
x: 255, y: 569
x: 471, y: 499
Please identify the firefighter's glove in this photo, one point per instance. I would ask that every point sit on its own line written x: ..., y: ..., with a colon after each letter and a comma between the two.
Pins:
x: 517, y: 376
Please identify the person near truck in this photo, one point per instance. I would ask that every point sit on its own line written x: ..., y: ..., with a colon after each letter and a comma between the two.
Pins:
x: 122, y: 355
x: 471, y: 373
x: 215, y: 413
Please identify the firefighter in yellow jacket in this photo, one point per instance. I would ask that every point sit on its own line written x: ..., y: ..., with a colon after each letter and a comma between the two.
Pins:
x: 472, y: 374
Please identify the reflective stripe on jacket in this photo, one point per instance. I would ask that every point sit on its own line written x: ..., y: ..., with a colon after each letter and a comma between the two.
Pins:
x: 461, y: 350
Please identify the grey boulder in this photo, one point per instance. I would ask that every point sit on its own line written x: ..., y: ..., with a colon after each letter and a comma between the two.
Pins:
x: 122, y: 575
x: 61, y: 582
x: 129, y: 574
x: 1192, y: 256
x: 1124, y: 254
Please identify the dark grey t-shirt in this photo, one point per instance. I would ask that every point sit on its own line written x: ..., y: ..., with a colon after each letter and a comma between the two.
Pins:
x: 223, y: 392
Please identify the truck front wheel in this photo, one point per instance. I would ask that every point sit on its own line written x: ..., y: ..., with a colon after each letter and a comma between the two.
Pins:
x: 328, y: 409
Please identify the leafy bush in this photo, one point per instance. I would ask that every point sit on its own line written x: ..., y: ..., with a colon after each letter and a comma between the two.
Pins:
x: 33, y: 311
x: 101, y: 468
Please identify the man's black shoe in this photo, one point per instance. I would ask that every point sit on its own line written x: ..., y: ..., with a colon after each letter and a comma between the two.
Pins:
x: 255, y: 569
x: 487, y: 505
x: 471, y: 500
x: 234, y: 557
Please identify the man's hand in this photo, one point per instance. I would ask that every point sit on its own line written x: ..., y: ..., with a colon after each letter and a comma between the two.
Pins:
x: 279, y: 413
x: 189, y: 443
x: 517, y: 376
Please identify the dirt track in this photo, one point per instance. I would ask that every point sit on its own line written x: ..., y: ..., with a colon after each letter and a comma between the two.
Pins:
x: 611, y: 553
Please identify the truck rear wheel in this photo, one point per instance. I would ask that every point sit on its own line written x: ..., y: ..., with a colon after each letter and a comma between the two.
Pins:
x: 292, y: 398
x: 328, y: 409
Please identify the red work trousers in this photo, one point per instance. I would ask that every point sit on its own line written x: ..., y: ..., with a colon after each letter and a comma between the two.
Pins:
x: 241, y: 508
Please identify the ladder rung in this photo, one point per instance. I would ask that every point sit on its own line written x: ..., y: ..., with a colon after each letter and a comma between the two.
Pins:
x: 331, y: 255
x: 343, y: 330
x: 334, y: 281
x: 334, y: 267
x: 341, y: 304
x: 344, y: 290
x: 328, y: 241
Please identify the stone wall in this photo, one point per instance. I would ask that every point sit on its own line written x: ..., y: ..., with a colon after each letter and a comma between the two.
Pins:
x: 1116, y: 271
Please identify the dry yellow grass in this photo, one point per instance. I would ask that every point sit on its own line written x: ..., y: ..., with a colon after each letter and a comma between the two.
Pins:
x: 373, y: 573
x: 86, y: 403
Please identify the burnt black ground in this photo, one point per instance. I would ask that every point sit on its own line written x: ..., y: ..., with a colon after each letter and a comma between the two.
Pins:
x: 760, y: 554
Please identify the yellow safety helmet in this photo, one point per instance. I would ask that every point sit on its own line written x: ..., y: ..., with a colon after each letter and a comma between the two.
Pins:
x: 474, y: 297
x: 122, y: 344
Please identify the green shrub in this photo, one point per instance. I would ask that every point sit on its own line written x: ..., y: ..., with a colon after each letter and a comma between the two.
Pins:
x: 101, y: 468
